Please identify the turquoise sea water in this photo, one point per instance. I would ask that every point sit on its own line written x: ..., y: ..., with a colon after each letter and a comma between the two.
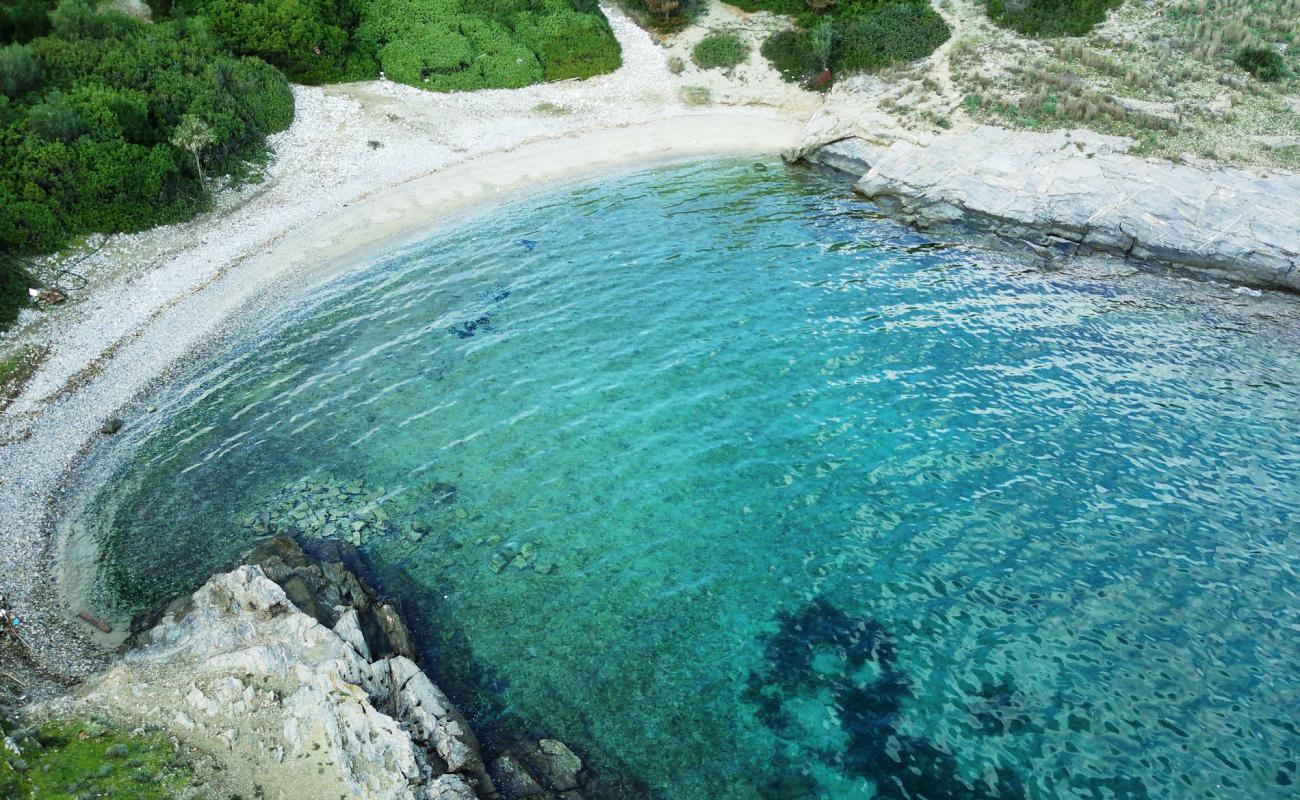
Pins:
x: 745, y: 492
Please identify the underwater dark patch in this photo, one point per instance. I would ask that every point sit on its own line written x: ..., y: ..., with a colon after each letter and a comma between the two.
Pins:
x: 869, y: 710
x: 465, y: 330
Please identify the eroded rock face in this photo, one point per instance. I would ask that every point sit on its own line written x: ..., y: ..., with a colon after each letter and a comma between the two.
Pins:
x: 304, y: 706
x: 1083, y: 191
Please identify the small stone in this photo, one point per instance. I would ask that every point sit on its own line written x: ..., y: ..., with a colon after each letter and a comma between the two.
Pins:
x: 544, y: 567
x: 111, y: 426
x: 419, y: 527
x: 358, y: 525
x: 151, y: 409
x: 461, y: 513
x: 497, y: 562
x: 528, y: 551
x: 414, y: 535
x: 518, y: 562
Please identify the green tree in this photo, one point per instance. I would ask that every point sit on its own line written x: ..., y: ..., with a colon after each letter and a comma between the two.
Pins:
x: 194, y: 136
x: 20, y: 72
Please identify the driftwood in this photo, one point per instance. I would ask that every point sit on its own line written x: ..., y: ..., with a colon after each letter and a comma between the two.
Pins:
x: 86, y: 617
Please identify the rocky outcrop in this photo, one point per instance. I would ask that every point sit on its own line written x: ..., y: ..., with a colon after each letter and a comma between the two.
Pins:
x: 304, y: 680
x: 1079, y: 192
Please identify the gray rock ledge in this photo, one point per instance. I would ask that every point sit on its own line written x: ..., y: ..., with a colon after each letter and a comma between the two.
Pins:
x: 1077, y: 191
x: 294, y: 676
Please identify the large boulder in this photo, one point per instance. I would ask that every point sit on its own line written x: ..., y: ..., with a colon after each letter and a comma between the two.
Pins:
x: 295, y: 703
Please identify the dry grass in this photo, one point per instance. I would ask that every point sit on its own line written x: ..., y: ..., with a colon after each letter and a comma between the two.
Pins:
x: 1160, y: 72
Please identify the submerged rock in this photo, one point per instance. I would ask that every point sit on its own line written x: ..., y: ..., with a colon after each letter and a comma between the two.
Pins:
x: 111, y: 426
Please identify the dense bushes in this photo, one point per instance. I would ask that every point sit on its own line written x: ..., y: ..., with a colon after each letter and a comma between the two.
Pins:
x: 89, y: 121
x: 24, y: 20
x: 444, y: 45
x: 1264, y: 63
x: 308, y: 39
x: 14, y: 282
x: 891, y: 34
x: 1044, y: 18
x: 720, y: 50
x: 850, y: 37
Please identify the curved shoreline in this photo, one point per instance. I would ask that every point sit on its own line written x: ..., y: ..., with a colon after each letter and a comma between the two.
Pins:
x: 55, y: 421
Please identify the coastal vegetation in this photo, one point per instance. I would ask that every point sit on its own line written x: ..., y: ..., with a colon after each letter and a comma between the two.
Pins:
x: 1050, y: 17
x: 850, y: 37
x: 1187, y: 79
x: 90, y: 758
x: 720, y: 51
x: 108, y: 123
x: 442, y: 45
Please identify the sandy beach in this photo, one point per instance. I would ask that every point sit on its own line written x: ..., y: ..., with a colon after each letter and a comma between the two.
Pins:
x: 364, y: 168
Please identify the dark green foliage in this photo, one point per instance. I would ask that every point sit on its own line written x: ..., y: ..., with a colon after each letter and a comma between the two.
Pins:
x: 791, y: 53
x: 1264, y: 63
x: 1045, y: 18
x: 89, y: 148
x: 892, y: 34
x: 852, y: 37
x: 444, y: 45
x: 791, y: 8
x: 20, y: 72
x: 308, y: 39
x: 24, y: 20
x: 720, y: 50
x: 569, y: 43
x: 14, y: 282
x: 663, y: 15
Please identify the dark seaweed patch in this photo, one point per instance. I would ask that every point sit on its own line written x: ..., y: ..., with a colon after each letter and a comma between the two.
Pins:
x: 466, y: 329
x: 869, y: 710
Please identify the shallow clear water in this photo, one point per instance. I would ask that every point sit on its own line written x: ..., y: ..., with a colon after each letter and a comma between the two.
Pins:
x: 745, y: 492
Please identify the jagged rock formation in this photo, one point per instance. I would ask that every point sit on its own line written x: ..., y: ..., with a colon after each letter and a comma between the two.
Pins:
x: 307, y: 687
x: 1076, y: 191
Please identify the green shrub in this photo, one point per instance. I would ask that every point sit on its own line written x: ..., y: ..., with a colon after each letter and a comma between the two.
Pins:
x: 791, y: 53
x: 569, y: 44
x: 791, y: 8
x: 423, y: 53
x: 308, y: 39
x: 19, y: 70
x: 720, y: 50
x: 663, y: 15
x: 1044, y: 18
x: 1264, y: 63
x: 55, y: 121
x: 24, y: 20
x: 891, y: 34
x: 14, y: 282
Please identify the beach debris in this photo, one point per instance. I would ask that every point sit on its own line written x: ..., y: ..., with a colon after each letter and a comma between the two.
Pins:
x: 374, y: 144
x: 111, y: 426
x: 50, y: 296
x: 93, y: 621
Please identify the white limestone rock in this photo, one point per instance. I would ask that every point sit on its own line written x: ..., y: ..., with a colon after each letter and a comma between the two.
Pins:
x: 1084, y: 188
x: 297, y: 709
